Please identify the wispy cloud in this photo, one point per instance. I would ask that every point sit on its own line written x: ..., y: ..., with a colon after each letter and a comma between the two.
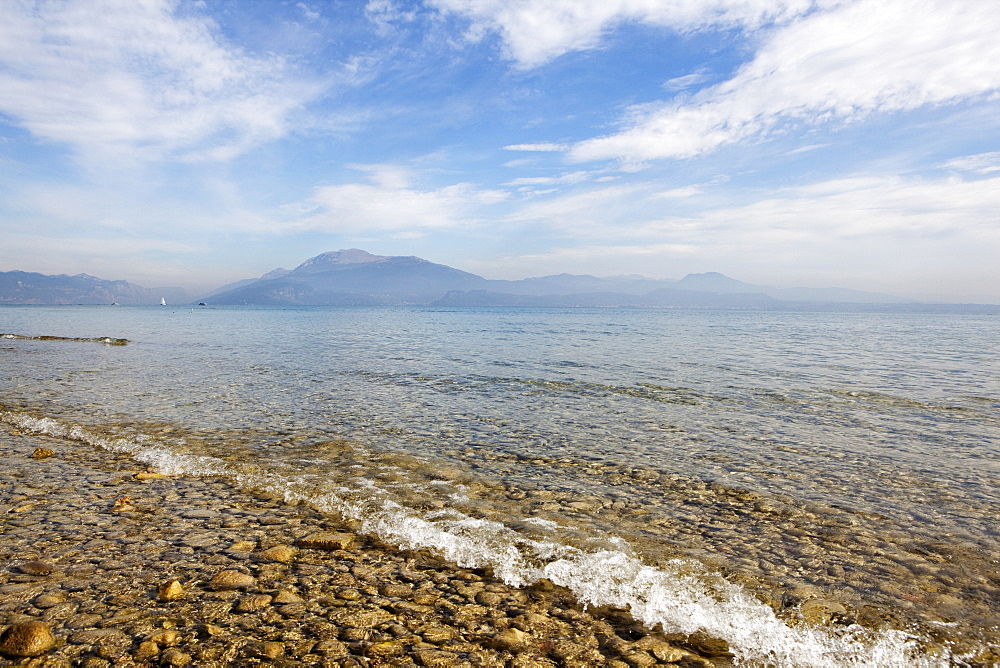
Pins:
x: 981, y: 163
x: 140, y: 79
x: 834, y: 66
x: 536, y: 31
x: 391, y: 203
x: 570, y: 178
x: 385, y: 13
x: 548, y: 147
x: 688, y: 80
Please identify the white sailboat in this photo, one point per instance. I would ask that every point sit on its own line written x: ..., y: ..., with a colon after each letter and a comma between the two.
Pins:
x: 163, y: 302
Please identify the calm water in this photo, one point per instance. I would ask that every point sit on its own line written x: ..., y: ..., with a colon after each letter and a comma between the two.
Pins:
x: 816, y: 489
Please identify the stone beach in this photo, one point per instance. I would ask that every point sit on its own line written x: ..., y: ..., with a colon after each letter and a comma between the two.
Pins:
x: 105, y: 563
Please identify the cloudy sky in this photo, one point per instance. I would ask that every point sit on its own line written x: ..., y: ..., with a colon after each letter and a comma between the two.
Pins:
x: 853, y: 143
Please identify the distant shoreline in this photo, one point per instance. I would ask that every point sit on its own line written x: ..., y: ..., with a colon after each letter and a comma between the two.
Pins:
x: 808, y: 307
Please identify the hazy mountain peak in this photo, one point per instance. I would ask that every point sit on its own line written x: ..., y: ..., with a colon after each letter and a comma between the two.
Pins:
x: 713, y: 281
x: 274, y: 273
x: 324, y: 261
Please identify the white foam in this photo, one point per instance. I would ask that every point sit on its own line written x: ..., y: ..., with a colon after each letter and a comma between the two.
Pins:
x: 681, y: 596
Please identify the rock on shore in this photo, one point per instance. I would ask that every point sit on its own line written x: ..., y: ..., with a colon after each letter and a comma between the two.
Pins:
x: 191, y: 571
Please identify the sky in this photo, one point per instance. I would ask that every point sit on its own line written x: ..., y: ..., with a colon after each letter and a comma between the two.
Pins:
x: 815, y: 143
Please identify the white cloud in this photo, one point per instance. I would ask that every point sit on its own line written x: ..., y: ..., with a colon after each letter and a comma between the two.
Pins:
x: 390, y: 203
x: 139, y: 79
x: 981, y: 163
x: 536, y: 31
x: 685, y: 191
x: 384, y: 13
x: 562, y: 179
x: 686, y: 81
x: 549, y: 147
x: 308, y: 12
x: 839, y: 65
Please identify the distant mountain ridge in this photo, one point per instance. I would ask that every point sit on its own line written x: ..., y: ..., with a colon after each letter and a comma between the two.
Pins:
x: 25, y: 287
x: 353, y: 277
x: 356, y: 277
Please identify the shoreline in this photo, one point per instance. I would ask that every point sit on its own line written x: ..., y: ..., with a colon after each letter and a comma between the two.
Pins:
x: 92, y: 544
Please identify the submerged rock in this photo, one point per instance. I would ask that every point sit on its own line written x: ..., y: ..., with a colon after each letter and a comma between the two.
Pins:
x: 511, y: 640
x: 171, y: 590
x: 42, y: 453
x: 122, y: 503
x: 27, y: 639
x: 48, y: 600
x: 230, y: 580
x: 820, y: 611
x: 165, y: 638
x: 328, y: 540
x: 253, y: 603
x: 36, y: 568
x: 279, y: 553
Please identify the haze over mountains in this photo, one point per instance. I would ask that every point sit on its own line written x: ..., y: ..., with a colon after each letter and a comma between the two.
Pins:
x: 355, y: 277
x: 25, y: 287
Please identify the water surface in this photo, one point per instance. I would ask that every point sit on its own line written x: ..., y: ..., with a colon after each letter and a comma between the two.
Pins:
x: 816, y: 488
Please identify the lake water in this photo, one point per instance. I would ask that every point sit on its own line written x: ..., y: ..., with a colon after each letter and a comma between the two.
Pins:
x: 814, y: 488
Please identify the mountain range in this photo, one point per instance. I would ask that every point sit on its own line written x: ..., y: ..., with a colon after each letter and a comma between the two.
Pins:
x: 355, y: 277
x: 24, y: 287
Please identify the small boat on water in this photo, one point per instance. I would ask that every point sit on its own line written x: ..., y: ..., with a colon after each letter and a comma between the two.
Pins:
x: 163, y: 302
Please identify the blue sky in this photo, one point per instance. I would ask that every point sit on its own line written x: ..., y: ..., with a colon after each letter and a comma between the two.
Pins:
x: 853, y: 143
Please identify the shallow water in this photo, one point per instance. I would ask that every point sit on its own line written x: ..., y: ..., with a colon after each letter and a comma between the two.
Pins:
x: 803, y: 485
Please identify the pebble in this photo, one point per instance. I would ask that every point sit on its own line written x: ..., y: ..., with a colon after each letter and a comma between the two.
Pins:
x: 284, y: 597
x: 328, y: 540
x: 265, y: 650
x: 818, y: 611
x: 171, y: 590
x: 42, y: 453
x: 165, y: 638
x: 230, y: 580
x: 242, y: 546
x: 175, y: 657
x: 488, y: 598
x: 94, y: 636
x: 253, y: 603
x: 36, y: 568
x: 27, y: 639
x: 279, y: 553
x: 511, y: 640
x: 146, y: 651
x: 47, y: 600
x: 82, y: 621
x: 200, y: 513
x: 391, y: 590
x: 123, y: 503
x: 385, y: 650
